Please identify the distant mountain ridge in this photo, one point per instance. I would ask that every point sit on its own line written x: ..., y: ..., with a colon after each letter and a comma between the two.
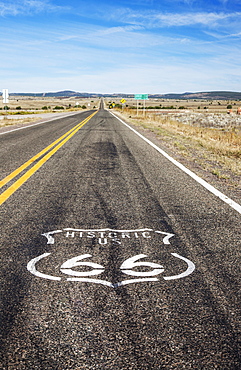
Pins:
x: 209, y: 95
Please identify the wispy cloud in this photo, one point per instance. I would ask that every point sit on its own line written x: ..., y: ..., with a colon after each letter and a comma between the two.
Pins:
x: 144, y: 78
x: 151, y: 19
x: 6, y: 9
x: 131, y: 37
x: 28, y: 7
x: 224, y: 36
x: 95, y: 46
x: 119, y: 29
x: 189, y: 19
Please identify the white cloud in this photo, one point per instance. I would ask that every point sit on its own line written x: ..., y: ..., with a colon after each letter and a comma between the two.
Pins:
x: 145, y: 78
x: 223, y: 36
x: 119, y: 29
x: 6, y: 9
x: 151, y: 19
x: 28, y: 7
x: 140, y: 52
x: 189, y: 19
x: 112, y: 38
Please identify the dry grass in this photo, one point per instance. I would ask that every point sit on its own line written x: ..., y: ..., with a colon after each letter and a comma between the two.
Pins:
x: 11, y: 122
x: 219, y: 141
x: 194, y: 105
x: 217, y: 150
x: 36, y: 103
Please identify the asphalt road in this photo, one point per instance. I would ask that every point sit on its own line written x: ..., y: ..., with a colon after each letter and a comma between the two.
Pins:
x: 111, y: 256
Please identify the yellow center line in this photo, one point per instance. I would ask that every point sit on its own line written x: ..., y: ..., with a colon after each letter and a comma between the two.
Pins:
x: 7, y: 193
x: 30, y: 161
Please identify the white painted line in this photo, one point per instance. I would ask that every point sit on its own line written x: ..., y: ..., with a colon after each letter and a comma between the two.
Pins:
x: 50, y: 237
x: 38, y: 123
x: 95, y: 281
x: 166, y: 239
x: 202, y: 182
x: 126, y: 267
x: 189, y: 270
x: 107, y: 229
x: 66, y: 267
x: 130, y: 263
x: 31, y: 268
x: 132, y: 281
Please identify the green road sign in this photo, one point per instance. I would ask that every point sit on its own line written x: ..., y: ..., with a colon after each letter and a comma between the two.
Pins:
x: 141, y: 96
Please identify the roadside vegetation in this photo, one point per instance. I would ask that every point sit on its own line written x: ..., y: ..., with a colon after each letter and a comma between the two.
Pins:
x: 213, y: 149
x: 29, y: 106
x: 10, y: 122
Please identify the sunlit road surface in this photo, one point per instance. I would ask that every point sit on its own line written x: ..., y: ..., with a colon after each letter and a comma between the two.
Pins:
x: 112, y: 257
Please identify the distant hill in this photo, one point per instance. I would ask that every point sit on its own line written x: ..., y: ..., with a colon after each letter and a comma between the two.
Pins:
x: 58, y: 94
x: 211, y: 95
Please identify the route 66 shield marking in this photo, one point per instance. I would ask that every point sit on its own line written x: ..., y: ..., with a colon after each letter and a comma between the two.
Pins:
x: 81, y: 269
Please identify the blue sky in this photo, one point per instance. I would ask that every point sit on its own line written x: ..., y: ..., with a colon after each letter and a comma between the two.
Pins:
x: 145, y: 46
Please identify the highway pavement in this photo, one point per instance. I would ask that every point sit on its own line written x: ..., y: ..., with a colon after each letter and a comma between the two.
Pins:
x: 112, y: 257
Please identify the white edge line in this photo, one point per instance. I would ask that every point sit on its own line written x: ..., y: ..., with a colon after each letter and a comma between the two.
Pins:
x: 39, y: 123
x: 202, y: 182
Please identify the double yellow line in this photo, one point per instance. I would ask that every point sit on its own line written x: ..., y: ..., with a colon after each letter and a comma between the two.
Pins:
x: 61, y: 141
